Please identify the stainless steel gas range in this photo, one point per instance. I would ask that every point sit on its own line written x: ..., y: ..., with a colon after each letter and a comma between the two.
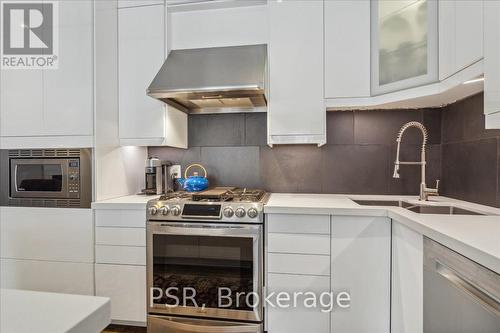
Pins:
x: 205, y: 261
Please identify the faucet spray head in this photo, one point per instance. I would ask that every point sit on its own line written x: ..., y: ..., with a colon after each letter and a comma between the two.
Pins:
x: 396, y: 171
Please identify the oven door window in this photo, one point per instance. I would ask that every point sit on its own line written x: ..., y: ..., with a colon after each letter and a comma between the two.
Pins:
x: 39, y: 177
x: 208, y: 265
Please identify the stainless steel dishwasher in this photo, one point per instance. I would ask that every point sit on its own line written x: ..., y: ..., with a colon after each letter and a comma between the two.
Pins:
x: 460, y: 296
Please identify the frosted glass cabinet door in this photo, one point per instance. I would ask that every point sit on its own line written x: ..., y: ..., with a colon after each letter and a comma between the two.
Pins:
x: 404, y: 44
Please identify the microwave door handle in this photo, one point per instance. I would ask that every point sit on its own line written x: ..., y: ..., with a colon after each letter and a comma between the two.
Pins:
x: 488, y: 301
x: 15, y: 178
x: 192, y: 328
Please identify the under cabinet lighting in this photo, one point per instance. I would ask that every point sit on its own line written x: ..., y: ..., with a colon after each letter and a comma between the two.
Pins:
x: 474, y: 80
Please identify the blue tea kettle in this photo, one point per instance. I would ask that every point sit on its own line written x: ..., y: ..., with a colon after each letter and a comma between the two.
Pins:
x: 194, y: 183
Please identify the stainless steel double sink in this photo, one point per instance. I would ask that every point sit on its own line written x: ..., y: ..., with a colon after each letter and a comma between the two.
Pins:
x: 418, y: 208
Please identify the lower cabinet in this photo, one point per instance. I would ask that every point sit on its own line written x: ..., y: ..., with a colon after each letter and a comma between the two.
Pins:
x: 407, y: 280
x: 47, y: 249
x: 126, y: 286
x: 361, y: 266
x: 120, y: 268
x: 329, y: 254
x: 48, y: 276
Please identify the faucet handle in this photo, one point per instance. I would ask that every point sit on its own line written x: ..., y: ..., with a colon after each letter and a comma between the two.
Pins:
x: 437, y: 184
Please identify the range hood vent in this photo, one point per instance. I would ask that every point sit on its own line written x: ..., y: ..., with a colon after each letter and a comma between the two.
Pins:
x: 213, y: 80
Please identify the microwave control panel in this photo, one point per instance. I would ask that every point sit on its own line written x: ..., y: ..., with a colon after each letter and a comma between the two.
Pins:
x: 74, y: 178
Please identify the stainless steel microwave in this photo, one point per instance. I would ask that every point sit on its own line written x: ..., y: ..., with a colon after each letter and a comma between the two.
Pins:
x: 46, y: 177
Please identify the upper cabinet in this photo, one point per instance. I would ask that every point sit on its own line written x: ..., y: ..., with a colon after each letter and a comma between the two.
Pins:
x: 142, y: 48
x: 492, y: 63
x: 460, y: 35
x: 296, y: 109
x: 404, y: 44
x: 53, y: 107
x: 347, y: 64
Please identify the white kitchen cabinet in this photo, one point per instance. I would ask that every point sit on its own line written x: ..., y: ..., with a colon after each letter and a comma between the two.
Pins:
x: 48, y: 276
x: 68, y: 101
x: 407, y: 280
x: 404, y: 44
x: 47, y: 249
x: 296, y: 109
x: 126, y: 287
x: 142, y: 49
x: 460, y: 35
x: 53, y: 107
x: 298, y: 260
x: 361, y: 266
x: 120, y: 262
x: 21, y: 98
x: 51, y: 234
x: 297, y: 319
x: 492, y: 63
x: 141, y: 52
x: 347, y: 48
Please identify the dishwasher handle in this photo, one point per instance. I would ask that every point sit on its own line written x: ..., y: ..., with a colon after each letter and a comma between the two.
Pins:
x: 484, y: 298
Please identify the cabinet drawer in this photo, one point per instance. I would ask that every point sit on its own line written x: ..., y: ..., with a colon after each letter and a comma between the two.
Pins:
x: 298, y: 224
x: 299, y: 318
x: 299, y: 264
x: 120, y: 218
x: 120, y: 236
x: 113, y: 280
x: 125, y: 255
x: 297, y: 243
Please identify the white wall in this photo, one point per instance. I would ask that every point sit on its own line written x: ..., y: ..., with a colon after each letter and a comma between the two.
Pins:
x: 118, y: 170
x: 218, y: 27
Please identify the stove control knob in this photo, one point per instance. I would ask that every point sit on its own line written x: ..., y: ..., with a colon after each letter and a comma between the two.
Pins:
x: 252, y: 213
x: 176, y: 210
x: 228, y: 212
x: 164, y: 210
x: 240, y: 212
x: 153, y: 210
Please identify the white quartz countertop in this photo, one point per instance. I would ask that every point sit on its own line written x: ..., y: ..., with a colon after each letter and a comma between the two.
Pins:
x: 474, y: 236
x: 136, y: 201
x: 23, y: 311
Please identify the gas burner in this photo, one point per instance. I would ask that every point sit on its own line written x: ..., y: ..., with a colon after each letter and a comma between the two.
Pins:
x: 225, y: 204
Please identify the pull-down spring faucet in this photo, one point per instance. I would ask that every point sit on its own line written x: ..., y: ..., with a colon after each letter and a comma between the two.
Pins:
x: 424, y: 190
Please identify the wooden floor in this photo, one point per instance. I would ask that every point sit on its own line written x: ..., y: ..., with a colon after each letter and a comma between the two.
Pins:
x: 124, y: 329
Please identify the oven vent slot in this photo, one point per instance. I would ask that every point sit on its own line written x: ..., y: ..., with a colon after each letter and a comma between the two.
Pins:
x: 56, y: 203
x: 44, y: 153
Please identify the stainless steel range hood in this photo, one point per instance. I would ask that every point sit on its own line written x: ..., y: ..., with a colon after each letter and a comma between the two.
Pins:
x: 213, y: 80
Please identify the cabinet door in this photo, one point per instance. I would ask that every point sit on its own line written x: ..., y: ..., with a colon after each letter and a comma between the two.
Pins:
x: 404, y: 44
x: 460, y: 35
x: 296, y: 105
x: 347, y: 63
x: 298, y: 319
x: 21, y: 99
x: 492, y: 63
x: 51, y: 234
x: 48, y: 276
x: 407, y: 280
x: 141, y: 52
x: 68, y: 90
x: 361, y: 259
x: 126, y: 286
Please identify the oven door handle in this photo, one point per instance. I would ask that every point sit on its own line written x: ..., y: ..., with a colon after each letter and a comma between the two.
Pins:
x: 206, y: 229
x: 193, y: 328
x: 488, y: 301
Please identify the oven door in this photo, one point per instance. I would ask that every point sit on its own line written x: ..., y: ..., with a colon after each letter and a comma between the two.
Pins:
x: 190, y: 265
x: 162, y: 324
x: 38, y: 178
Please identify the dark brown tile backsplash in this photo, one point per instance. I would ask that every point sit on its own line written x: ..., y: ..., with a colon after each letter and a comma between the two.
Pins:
x: 359, y: 154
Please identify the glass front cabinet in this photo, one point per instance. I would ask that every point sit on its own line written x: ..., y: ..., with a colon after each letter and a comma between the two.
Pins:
x: 404, y: 41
